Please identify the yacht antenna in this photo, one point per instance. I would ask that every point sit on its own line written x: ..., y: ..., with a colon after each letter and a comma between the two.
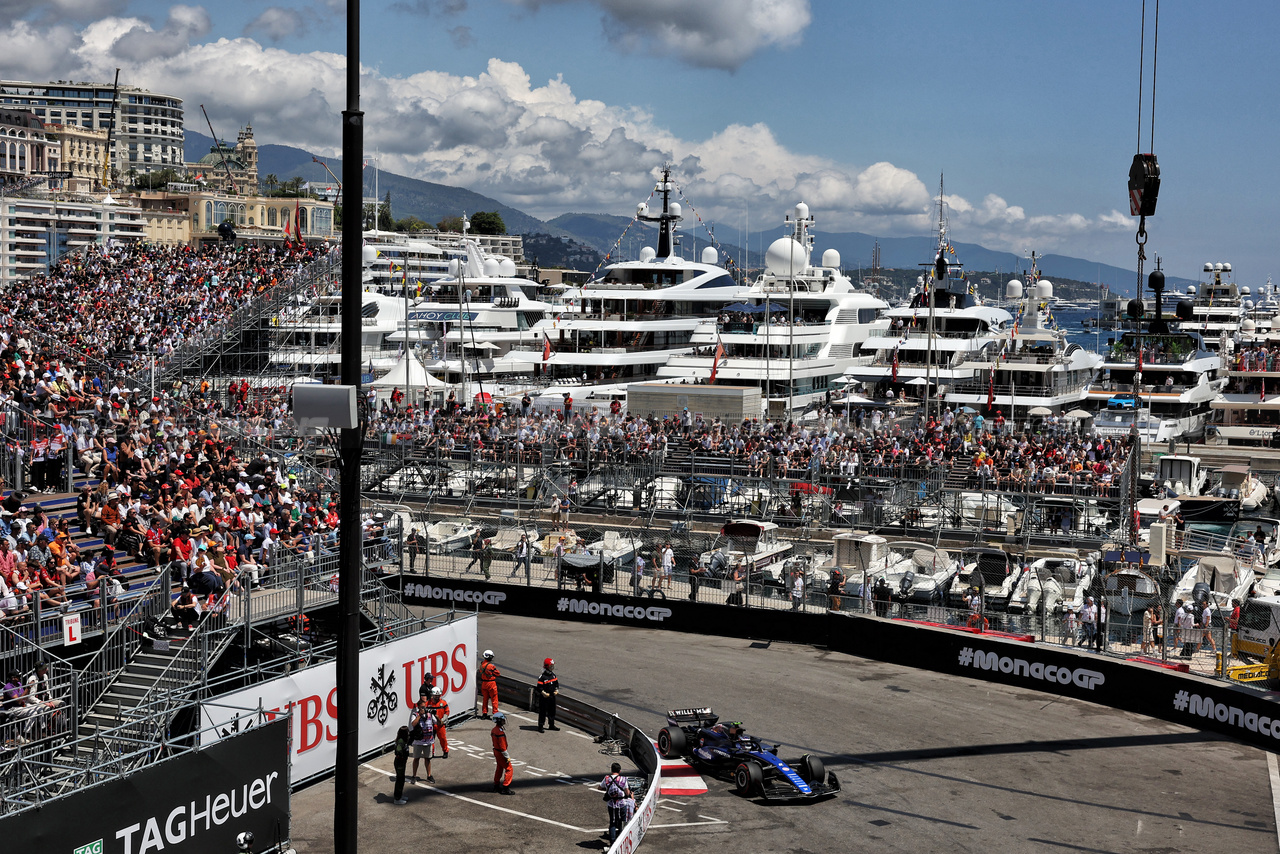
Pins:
x: 667, y: 219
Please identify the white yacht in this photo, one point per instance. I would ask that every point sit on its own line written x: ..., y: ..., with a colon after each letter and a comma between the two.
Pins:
x: 465, y: 325
x: 307, y: 337
x: 1221, y: 309
x: 792, y: 334
x: 938, y: 341
x: 627, y: 323
x: 1177, y: 379
x: 1037, y: 369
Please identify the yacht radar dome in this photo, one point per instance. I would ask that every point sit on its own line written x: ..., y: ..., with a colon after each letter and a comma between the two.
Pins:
x: 1013, y: 289
x: 506, y: 268
x: 676, y: 209
x: 1217, y: 268
x: 802, y: 211
x: 785, y: 256
x: 454, y: 266
x: 1226, y: 268
x: 647, y: 254
x: 831, y: 258
x: 710, y: 255
x: 1244, y: 291
x: 1044, y: 289
x: 370, y: 254
x: 1248, y: 305
x: 642, y: 209
x: 1191, y: 290
x: 491, y: 267
x: 1208, y: 266
x: 1248, y: 326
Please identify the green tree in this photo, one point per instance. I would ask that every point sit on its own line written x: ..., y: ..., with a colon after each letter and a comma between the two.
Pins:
x: 450, y: 223
x: 411, y: 223
x: 488, y: 222
x: 385, y: 222
x: 272, y: 181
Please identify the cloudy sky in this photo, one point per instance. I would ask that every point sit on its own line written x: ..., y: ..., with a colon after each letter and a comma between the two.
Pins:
x: 856, y: 108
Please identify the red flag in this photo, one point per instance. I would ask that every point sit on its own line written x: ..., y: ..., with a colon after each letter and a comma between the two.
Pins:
x: 546, y: 347
x: 895, y: 364
x: 716, y: 360
x: 1263, y: 394
x: 297, y: 229
x: 991, y: 389
x: 286, y: 230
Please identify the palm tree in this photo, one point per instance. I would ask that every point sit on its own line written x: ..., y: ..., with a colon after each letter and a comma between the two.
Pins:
x: 272, y: 181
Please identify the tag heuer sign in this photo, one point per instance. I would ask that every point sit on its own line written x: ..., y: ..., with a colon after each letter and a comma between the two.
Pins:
x: 91, y: 848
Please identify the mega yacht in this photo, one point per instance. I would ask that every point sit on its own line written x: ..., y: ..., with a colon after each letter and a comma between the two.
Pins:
x: 629, y: 321
x: 465, y: 325
x: 307, y: 337
x: 937, y: 342
x: 1222, y: 310
x: 1037, y: 369
x: 1160, y: 384
x: 793, y: 333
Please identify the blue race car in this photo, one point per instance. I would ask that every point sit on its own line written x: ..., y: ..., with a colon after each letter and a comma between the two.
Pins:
x: 726, y: 750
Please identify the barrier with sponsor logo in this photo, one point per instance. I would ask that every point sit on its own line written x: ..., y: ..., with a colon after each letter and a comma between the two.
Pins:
x: 390, y: 675
x: 676, y: 614
x: 589, y: 718
x: 197, y: 802
x: 1181, y: 698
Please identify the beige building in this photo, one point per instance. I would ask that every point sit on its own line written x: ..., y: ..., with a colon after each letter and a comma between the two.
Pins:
x: 260, y: 216
x: 84, y: 155
x: 166, y: 217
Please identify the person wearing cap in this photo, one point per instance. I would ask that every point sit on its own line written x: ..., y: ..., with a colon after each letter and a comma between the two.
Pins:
x: 503, y: 772
x: 487, y: 683
x: 548, y: 689
x: 486, y: 558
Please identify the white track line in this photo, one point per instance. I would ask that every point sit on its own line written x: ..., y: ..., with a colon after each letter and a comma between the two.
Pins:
x: 448, y: 794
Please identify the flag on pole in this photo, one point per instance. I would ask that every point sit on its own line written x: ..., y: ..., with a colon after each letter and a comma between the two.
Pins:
x: 546, y: 347
x: 1263, y: 394
x: 991, y: 389
x: 716, y: 360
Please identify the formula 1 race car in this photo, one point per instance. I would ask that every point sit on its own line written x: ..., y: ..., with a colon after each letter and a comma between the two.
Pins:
x: 726, y: 750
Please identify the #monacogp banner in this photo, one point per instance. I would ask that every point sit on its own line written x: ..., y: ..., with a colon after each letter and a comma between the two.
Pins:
x: 389, y: 678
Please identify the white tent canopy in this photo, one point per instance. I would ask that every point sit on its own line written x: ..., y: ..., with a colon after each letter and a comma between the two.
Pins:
x: 408, y: 373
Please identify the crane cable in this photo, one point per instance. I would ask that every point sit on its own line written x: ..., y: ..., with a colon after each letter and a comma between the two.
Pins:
x: 1141, y: 237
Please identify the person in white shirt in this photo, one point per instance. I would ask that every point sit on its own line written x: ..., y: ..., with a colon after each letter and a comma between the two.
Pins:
x: 668, y: 566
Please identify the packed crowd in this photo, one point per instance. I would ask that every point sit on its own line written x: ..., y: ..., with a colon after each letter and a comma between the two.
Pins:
x: 866, y: 441
x: 1255, y: 358
x: 134, y: 301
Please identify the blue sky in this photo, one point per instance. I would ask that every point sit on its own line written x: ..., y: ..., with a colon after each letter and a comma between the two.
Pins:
x: 855, y: 108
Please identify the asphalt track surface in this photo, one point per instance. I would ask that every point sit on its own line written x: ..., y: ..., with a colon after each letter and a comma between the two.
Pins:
x: 927, y: 762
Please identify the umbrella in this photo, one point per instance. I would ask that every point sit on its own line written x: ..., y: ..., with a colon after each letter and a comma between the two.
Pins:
x: 856, y: 399
x: 918, y: 381
x: 1079, y: 413
x: 484, y: 397
x: 483, y: 345
x: 1040, y: 410
x: 968, y: 409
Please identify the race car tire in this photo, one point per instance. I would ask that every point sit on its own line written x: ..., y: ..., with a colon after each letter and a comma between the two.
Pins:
x: 811, y: 769
x: 748, y: 778
x: 671, y: 743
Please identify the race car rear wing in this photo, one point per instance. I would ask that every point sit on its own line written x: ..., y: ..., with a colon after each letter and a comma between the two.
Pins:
x: 698, y: 717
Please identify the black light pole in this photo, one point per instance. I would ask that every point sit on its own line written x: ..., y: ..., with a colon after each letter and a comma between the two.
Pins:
x: 345, y: 822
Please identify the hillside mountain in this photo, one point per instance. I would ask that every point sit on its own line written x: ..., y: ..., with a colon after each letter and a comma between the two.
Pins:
x: 601, y: 231
x: 409, y: 196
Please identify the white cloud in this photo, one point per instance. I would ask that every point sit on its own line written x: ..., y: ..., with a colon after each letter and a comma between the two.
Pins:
x: 278, y: 23
x: 704, y: 33
x: 141, y: 42
x: 539, y: 148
